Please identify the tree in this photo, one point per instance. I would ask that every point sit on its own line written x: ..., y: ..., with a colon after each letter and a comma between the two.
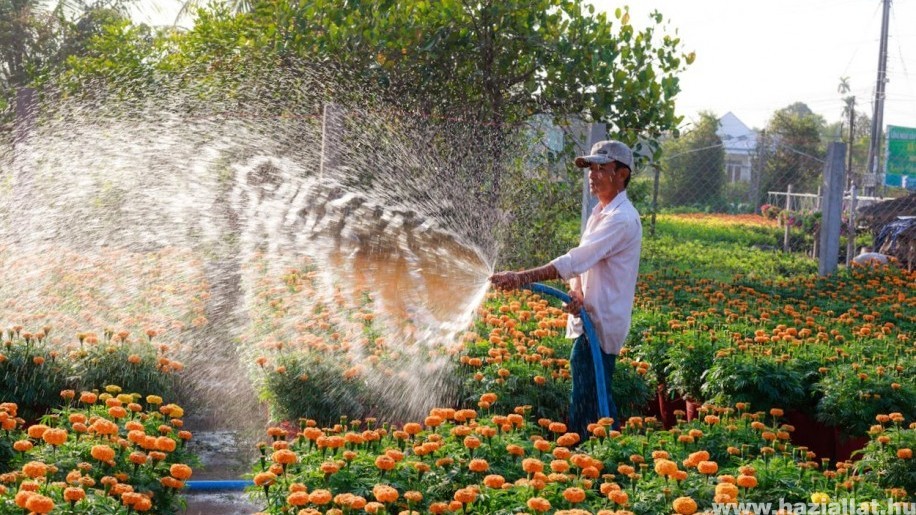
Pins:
x: 794, y: 152
x: 36, y: 37
x: 693, y: 166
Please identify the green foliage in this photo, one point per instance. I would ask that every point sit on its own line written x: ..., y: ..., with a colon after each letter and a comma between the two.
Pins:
x: 790, y: 151
x: 880, y: 462
x: 31, y: 374
x: 694, y: 166
x: 688, y: 360
x: 134, y: 366
x: 853, y: 397
x: 762, y: 381
x: 309, y: 385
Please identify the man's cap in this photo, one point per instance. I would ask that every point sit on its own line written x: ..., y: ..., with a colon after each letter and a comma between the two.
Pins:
x: 605, y: 152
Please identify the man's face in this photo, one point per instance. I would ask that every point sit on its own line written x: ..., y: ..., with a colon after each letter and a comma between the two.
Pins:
x: 602, y: 180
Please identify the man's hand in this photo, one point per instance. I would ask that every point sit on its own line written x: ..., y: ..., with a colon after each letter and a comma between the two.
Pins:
x: 506, y: 280
x: 576, y: 301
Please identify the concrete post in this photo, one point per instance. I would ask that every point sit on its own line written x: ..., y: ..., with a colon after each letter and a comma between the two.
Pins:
x: 785, y: 236
x: 834, y: 181
x: 332, y: 131
x: 596, y: 132
x: 851, y: 236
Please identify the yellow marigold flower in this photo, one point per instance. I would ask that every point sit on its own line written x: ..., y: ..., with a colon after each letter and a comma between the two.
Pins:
x: 820, y: 498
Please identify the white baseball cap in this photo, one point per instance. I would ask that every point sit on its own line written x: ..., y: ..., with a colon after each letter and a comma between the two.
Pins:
x: 605, y: 152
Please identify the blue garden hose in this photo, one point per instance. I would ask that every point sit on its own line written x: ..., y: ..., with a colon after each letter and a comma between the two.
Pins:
x: 221, y: 485
x: 589, y: 329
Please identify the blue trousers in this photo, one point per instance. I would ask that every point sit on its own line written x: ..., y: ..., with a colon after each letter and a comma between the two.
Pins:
x: 583, y: 402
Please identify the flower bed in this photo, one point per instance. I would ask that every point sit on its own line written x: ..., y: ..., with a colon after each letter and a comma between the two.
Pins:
x: 499, y: 461
x: 101, y: 453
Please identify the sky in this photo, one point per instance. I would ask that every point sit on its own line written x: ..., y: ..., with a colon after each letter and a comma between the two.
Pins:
x: 756, y: 57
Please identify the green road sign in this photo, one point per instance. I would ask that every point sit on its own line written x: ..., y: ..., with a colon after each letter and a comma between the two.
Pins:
x: 900, y: 167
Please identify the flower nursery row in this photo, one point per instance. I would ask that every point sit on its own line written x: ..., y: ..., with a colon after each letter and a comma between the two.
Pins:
x: 506, y: 461
x: 99, y: 453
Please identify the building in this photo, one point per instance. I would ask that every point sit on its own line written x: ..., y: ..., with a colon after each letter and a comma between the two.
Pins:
x: 740, y: 144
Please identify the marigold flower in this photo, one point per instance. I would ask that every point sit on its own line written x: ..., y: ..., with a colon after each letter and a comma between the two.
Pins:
x: 685, y: 506
x: 905, y: 453
x: 385, y: 493
x: 320, y: 497
x: 38, y: 503
x: 265, y: 479
x: 574, y: 495
x: 538, y: 504
x: 74, y: 494
x: 37, y: 431
x: 478, y: 465
x: 102, y: 453
x: 664, y: 467
x: 494, y: 481
x: 746, y: 481
x: 284, y: 457
x: 180, y: 471
x: 22, y: 445
x: 707, y: 467
x: 35, y: 469
x: 465, y: 495
x: 437, y: 508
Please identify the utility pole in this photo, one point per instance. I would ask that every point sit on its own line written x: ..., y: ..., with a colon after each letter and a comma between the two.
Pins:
x: 877, y: 121
x: 852, y: 125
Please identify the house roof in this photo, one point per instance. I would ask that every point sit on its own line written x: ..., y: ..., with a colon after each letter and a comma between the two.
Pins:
x: 735, y: 135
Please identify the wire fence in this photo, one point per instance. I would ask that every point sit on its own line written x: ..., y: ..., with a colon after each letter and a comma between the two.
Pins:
x: 783, y: 185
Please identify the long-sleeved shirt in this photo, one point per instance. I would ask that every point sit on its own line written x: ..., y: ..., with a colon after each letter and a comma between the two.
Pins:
x: 606, y: 263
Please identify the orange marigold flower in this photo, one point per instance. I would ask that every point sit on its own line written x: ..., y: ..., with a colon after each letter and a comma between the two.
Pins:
x: 574, y: 495
x: 905, y: 453
x: 685, y: 506
x: 494, y: 481
x: 465, y: 495
x: 180, y: 471
x: 265, y: 479
x: 284, y: 457
x: 532, y: 465
x: 385, y: 493
x: 478, y: 465
x: 320, y: 497
x: 38, y: 503
x: 37, y: 431
x: 102, y: 453
x: 745, y: 481
x: 664, y: 467
x: 538, y: 504
x: 22, y: 445
x: 707, y: 467
x: 74, y: 494
x: 35, y: 469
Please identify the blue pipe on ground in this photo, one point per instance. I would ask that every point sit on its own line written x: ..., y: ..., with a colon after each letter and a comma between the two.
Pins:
x: 220, y: 485
x: 589, y: 329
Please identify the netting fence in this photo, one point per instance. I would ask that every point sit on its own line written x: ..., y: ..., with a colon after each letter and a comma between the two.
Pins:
x: 783, y: 184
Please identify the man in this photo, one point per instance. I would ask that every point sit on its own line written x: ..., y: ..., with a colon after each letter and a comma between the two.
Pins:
x: 601, y: 273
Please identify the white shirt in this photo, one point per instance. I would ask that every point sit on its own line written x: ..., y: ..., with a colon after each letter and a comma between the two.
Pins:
x: 607, y: 264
